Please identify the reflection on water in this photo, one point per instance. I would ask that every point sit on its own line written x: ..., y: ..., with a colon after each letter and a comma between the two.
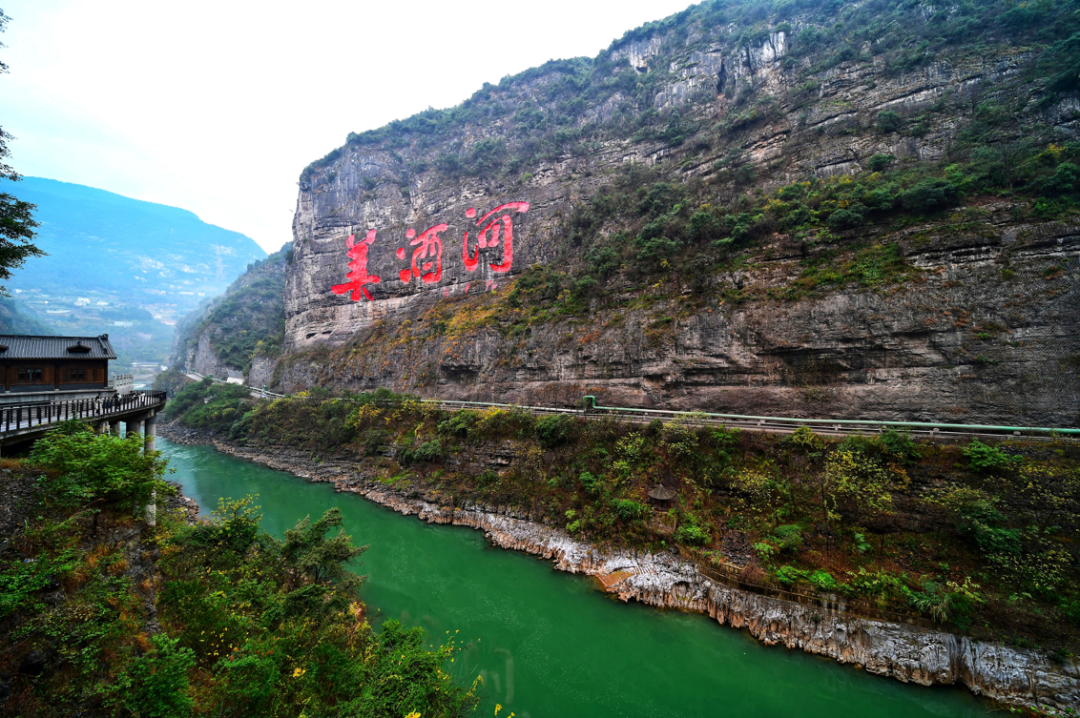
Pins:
x: 548, y: 643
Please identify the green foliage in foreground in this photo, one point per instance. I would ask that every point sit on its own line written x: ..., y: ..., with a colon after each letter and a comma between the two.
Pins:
x: 87, y: 470
x: 245, y: 625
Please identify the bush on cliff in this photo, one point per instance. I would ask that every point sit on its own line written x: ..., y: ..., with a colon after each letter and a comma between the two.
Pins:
x: 552, y: 431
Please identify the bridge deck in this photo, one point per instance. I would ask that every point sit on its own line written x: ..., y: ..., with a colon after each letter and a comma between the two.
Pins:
x: 19, y: 422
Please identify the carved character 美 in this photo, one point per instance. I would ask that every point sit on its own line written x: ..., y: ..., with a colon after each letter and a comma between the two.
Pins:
x: 358, y: 275
x: 489, y: 236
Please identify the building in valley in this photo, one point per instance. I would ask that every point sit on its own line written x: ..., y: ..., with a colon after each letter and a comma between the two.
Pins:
x: 54, y: 368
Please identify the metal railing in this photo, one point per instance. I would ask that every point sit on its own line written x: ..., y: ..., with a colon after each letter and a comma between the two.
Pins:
x: 255, y: 389
x: 780, y: 424
x: 31, y: 416
x: 836, y: 425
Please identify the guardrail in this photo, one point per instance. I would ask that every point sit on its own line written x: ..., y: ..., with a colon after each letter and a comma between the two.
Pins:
x: 264, y: 392
x: 777, y: 424
x: 31, y: 416
x: 838, y: 425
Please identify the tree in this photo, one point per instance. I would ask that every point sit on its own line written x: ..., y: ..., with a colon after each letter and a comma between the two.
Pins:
x: 89, y: 468
x: 307, y: 551
x: 16, y: 221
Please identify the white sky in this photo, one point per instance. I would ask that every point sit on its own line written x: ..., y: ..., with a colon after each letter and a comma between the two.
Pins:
x: 216, y: 106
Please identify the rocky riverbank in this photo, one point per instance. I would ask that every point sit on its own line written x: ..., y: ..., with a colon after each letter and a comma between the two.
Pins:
x: 907, y: 653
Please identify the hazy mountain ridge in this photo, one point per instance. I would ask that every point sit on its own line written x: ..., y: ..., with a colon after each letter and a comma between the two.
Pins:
x: 101, y: 240
x: 121, y: 266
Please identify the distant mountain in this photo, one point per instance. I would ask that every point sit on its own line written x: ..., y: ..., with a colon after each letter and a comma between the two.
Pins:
x: 121, y: 266
x: 241, y: 330
x: 104, y: 241
x: 14, y: 320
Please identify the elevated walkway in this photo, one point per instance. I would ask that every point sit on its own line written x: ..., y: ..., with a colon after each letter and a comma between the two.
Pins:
x: 21, y: 423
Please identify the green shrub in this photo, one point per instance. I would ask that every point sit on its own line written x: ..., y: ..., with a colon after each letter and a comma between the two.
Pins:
x: 845, y: 218
x: 655, y: 252
x: 929, y: 195
x: 899, y: 445
x: 805, y: 439
x: 1064, y: 181
x: 20, y: 580
x: 977, y: 517
x: 554, y: 430
x: 428, y: 452
x: 983, y: 458
x: 889, y: 121
x: 880, y: 199
x: 765, y: 551
x: 88, y: 467
x: 629, y: 510
x: 823, y: 580
x: 788, y: 575
x: 458, y: 424
x: 788, y: 537
x: 879, y: 162
x: 1070, y: 607
x: 156, y: 685
x: 693, y: 535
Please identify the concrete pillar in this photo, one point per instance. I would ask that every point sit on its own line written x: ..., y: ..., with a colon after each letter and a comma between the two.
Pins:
x: 134, y: 426
x: 150, y: 434
x: 150, y: 441
x: 101, y: 427
x: 114, y: 427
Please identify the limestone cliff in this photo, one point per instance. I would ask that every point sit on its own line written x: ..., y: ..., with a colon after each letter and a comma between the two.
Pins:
x: 685, y: 193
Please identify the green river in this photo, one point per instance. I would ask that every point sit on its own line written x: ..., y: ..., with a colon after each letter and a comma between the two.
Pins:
x: 549, y: 643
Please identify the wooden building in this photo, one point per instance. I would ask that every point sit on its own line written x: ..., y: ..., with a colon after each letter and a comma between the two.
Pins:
x: 34, y: 364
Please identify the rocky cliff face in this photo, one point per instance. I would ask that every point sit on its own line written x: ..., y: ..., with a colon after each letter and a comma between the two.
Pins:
x: 907, y: 653
x: 390, y: 232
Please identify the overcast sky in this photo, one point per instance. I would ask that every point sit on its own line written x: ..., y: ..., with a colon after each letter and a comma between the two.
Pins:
x: 216, y: 106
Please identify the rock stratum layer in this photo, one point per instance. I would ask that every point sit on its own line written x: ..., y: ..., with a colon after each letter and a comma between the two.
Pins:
x: 984, y: 329
x: 906, y: 653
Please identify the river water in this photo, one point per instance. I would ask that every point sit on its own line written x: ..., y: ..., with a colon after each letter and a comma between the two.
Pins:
x: 549, y: 643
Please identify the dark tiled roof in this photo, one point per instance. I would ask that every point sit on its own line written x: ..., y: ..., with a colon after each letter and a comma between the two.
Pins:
x: 22, y: 346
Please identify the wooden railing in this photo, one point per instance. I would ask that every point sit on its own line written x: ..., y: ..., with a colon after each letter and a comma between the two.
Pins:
x: 29, y: 416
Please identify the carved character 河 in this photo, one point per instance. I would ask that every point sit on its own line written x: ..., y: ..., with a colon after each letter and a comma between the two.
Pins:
x: 489, y: 236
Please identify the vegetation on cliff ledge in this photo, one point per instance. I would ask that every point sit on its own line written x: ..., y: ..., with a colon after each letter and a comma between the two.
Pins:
x: 245, y: 322
x: 101, y: 614
x: 981, y: 537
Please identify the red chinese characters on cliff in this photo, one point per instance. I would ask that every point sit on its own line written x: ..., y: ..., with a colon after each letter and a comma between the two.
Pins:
x: 430, y: 246
x: 489, y: 236
x: 358, y: 275
x: 496, y: 229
